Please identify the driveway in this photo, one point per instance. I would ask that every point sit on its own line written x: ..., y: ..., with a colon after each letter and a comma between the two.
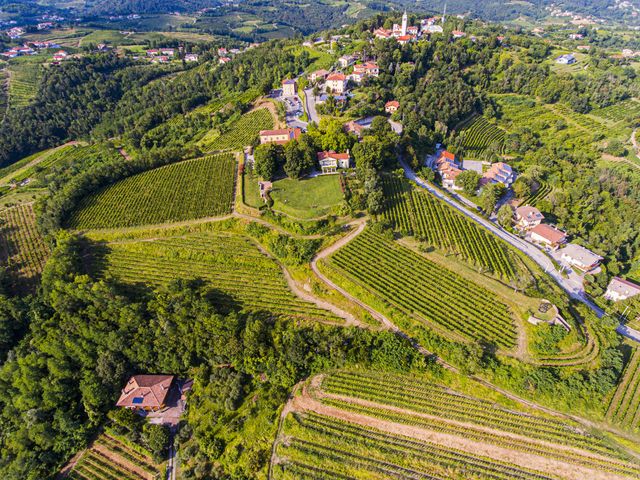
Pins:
x: 575, y: 291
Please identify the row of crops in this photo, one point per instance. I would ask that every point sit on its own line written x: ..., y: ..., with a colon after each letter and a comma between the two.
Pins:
x: 23, y: 83
x: 479, y: 134
x: 624, y: 408
x: 405, y: 401
x: 424, y: 290
x: 540, y: 194
x: 22, y: 249
x: 240, y: 274
x: 182, y: 191
x: 240, y: 133
x: 623, y: 111
x: 586, y: 123
x: 320, y: 446
x: 110, y: 458
x: 419, y: 213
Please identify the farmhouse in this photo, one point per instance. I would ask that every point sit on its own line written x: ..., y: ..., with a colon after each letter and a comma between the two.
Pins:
x: 362, y: 70
x: 392, y: 106
x: 281, y: 136
x: 528, y: 217
x: 331, y: 161
x: 499, y: 172
x: 567, y: 59
x: 289, y: 88
x: 580, y: 257
x: 336, y: 83
x: 621, y: 289
x: 548, y: 236
x: 146, y: 392
x: 318, y: 75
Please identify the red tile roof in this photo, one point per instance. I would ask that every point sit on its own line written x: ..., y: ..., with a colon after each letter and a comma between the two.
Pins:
x: 145, y: 391
x: 337, y: 77
x: 332, y: 154
x: 552, y: 234
x: 392, y: 103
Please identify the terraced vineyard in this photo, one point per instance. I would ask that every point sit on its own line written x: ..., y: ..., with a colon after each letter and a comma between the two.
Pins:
x: 240, y: 273
x: 624, y: 408
x: 3, y: 92
x: 479, y: 134
x: 22, y: 249
x: 239, y: 134
x: 358, y: 424
x: 110, y: 458
x: 543, y: 190
x: 623, y: 111
x: 23, y: 82
x: 182, y: 191
x: 419, y: 213
x: 424, y: 291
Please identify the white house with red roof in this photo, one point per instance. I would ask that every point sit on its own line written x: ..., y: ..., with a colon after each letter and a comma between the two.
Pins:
x: 621, y: 289
x: 318, y: 75
x: 331, y: 161
x: 280, y: 136
x: 458, y: 34
x: 528, y: 217
x: 362, y: 70
x: 223, y: 60
x: 336, y: 83
x: 391, y: 106
x: 448, y: 168
x: 547, y: 236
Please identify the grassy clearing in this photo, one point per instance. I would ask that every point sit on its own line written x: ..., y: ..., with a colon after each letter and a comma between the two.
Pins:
x: 307, y: 198
x: 182, y: 191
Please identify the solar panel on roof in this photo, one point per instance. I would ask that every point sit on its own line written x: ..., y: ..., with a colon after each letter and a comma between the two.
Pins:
x: 137, y: 400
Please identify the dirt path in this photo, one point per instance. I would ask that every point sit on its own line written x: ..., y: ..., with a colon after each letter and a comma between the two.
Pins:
x: 306, y: 402
x: 124, y: 154
x: 611, y: 158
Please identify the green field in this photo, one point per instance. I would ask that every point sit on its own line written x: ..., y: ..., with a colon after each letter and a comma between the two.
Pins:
x: 24, y: 75
x: 308, y: 197
x: 22, y: 249
x: 624, y: 408
x: 627, y: 110
x: 420, y: 214
x: 425, y: 291
x: 241, y: 274
x: 239, y: 134
x: 182, y: 191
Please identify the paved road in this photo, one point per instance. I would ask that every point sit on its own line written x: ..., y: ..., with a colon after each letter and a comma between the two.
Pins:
x: 574, y: 290
x: 172, y: 466
x: 310, y: 105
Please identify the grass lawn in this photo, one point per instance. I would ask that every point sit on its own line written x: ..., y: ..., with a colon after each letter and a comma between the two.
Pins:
x: 251, y: 193
x: 307, y: 198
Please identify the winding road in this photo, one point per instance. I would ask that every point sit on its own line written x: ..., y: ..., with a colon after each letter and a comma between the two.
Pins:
x: 573, y: 288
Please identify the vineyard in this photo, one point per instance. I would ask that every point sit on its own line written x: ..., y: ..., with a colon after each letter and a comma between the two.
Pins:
x: 240, y: 273
x: 623, y: 111
x: 479, y: 134
x: 540, y: 194
x: 22, y: 248
x: 624, y: 408
x: 584, y: 122
x: 182, y: 191
x: 23, y: 82
x: 424, y: 290
x: 111, y: 458
x: 240, y: 133
x: 418, y: 213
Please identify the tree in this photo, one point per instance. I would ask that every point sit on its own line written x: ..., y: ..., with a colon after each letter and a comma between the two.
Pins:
x: 489, y: 196
x: 505, y: 215
x: 267, y: 159
x: 521, y: 187
x: 293, y: 165
x: 468, y: 180
x: 157, y: 438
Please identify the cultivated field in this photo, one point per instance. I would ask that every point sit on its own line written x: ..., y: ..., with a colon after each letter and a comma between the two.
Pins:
x: 424, y: 290
x: 23, y: 81
x: 182, y: 191
x: 111, y: 458
x: 625, y: 404
x: 378, y: 425
x: 420, y: 214
x: 623, y: 111
x: 479, y: 134
x: 240, y: 133
x: 22, y: 249
x: 240, y: 273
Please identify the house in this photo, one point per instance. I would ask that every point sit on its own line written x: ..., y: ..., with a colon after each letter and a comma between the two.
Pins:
x: 346, y: 60
x: 318, y: 75
x: 60, y: 55
x: 353, y: 127
x: 146, y: 392
x: 191, y: 57
x: 391, y: 106
x: 281, y: 136
x: 44, y: 25
x: 289, y: 88
x: 382, y: 33
x: 160, y: 59
x: 223, y: 60
x: 548, y: 236
x: 528, y: 217
x: 336, y: 83
x: 447, y: 166
x: 580, y: 257
x: 331, y: 161
x: 432, y: 29
x: 404, y: 39
x: 621, y: 289
x: 222, y: 52
x: 576, y: 36
x: 458, y: 34
x: 362, y: 70
x: 153, y: 52
x: 499, y: 172
x: 566, y: 59
x: 167, y: 51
